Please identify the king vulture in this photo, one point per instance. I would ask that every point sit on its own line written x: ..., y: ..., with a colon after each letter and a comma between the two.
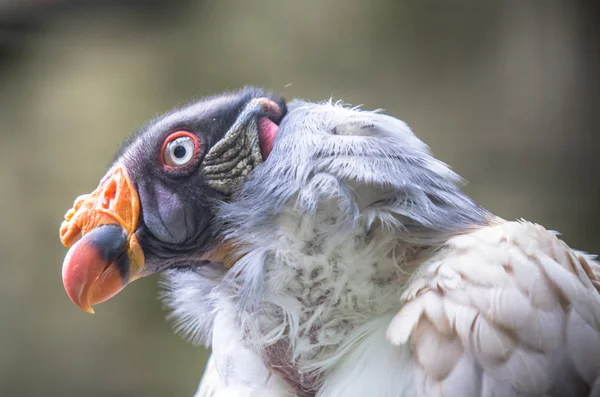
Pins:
x: 321, y: 250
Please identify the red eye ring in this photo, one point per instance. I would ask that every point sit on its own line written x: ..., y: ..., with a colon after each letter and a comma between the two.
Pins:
x: 167, y: 156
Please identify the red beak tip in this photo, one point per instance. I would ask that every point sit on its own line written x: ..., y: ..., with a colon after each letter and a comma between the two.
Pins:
x: 88, y: 310
x: 90, y: 275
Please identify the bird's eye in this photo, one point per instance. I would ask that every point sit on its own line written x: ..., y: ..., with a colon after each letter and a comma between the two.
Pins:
x: 179, y: 149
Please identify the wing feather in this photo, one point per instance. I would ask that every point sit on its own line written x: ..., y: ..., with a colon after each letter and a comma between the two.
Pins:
x: 507, y: 310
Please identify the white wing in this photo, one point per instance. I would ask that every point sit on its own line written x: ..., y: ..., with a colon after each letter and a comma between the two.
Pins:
x: 508, y: 310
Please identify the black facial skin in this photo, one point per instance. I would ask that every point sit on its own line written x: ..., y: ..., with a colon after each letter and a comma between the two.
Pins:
x: 176, y: 224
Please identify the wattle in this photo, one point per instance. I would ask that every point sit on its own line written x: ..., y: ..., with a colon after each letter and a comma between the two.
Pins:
x: 267, y: 131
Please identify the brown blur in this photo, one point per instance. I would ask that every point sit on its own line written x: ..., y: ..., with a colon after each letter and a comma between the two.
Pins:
x: 505, y: 92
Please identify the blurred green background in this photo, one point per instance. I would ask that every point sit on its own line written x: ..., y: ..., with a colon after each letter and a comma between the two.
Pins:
x: 506, y: 92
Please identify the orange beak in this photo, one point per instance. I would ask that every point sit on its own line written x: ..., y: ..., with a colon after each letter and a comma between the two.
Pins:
x: 108, y: 256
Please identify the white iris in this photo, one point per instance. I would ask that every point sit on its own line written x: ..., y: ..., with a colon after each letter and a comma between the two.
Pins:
x: 180, y: 151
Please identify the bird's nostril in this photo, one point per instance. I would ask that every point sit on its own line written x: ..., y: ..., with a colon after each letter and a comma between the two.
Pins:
x: 109, y: 195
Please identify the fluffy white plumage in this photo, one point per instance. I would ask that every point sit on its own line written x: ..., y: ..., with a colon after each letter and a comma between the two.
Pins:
x: 367, y: 272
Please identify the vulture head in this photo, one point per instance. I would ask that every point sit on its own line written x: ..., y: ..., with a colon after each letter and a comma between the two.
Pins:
x: 154, y: 208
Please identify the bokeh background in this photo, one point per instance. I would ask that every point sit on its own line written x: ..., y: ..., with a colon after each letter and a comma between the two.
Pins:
x: 506, y: 92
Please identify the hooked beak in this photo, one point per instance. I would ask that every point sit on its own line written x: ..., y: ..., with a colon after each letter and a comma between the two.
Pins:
x: 108, y: 256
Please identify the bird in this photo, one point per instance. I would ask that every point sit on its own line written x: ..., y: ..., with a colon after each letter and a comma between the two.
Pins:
x: 320, y: 249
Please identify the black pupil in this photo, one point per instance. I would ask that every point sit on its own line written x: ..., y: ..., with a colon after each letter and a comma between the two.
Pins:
x: 179, y: 152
